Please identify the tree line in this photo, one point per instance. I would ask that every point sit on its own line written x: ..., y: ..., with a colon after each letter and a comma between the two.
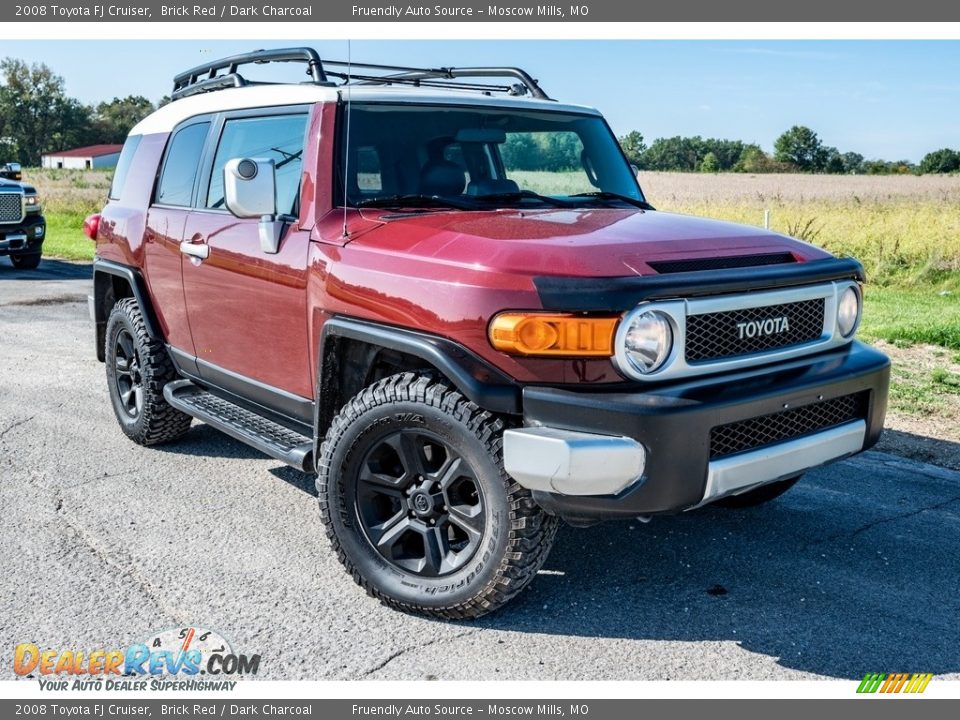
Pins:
x: 37, y: 116
x: 799, y: 149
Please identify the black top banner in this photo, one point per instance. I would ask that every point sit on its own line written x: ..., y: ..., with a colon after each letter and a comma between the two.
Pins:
x: 483, y: 11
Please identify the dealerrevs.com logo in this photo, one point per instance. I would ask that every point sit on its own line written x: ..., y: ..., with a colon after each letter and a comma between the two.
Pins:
x: 189, y: 658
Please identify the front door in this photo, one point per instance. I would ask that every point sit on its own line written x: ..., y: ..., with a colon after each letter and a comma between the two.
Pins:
x: 247, y: 308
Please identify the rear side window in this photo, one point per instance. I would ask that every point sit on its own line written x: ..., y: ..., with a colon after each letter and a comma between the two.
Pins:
x: 279, y: 138
x: 123, y: 165
x: 180, y: 166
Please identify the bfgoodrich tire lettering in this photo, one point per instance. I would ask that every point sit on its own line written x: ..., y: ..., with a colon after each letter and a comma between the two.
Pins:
x: 138, y: 367
x: 516, y: 535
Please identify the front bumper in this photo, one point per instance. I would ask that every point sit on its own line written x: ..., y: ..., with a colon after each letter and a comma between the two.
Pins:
x: 24, y: 238
x: 599, y: 455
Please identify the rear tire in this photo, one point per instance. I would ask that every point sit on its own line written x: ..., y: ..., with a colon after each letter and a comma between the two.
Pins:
x: 418, y: 507
x: 25, y: 262
x: 758, y: 496
x: 138, y: 367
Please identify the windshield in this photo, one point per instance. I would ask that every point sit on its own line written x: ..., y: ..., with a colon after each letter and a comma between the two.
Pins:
x: 479, y: 158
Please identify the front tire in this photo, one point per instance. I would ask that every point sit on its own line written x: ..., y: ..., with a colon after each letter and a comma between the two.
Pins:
x: 418, y: 507
x: 25, y: 262
x: 758, y: 496
x: 138, y: 367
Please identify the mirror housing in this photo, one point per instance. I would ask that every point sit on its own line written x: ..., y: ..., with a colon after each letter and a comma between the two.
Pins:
x: 250, y: 191
x: 250, y: 187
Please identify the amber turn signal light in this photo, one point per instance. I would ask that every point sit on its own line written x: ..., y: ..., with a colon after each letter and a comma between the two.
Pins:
x: 553, y: 334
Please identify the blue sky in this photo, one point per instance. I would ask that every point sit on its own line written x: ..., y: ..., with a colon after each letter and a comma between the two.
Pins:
x: 886, y: 99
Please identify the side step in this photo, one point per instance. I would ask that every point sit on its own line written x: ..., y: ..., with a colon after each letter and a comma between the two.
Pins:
x: 255, y: 430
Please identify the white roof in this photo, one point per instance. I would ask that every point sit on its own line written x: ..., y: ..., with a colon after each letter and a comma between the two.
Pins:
x: 254, y: 96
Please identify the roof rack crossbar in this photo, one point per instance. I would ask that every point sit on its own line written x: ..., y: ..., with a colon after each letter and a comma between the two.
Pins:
x: 421, y: 82
x: 186, y: 82
x: 448, y: 73
x: 207, y: 76
x: 207, y: 84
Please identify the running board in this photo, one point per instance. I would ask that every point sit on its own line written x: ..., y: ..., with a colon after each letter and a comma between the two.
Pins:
x: 246, y: 426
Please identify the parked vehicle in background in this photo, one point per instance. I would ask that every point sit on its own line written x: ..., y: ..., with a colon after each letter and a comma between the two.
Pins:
x: 11, y: 171
x: 367, y: 276
x: 22, y: 225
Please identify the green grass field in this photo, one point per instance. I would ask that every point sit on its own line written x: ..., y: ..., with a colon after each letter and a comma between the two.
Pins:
x: 68, y: 197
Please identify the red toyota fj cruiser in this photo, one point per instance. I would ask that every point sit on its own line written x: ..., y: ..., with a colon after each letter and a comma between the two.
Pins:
x: 446, y: 294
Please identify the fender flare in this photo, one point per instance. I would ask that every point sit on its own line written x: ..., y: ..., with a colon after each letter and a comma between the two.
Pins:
x: 479, y: 381
x: 103, y: 270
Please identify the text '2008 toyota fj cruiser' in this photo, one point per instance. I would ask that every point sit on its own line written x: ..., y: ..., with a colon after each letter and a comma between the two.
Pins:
x: 445, y: 294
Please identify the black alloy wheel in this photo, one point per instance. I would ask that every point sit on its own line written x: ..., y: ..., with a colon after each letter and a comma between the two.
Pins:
x: 418, y: 506
x: 127, y: 374
x: 419, y: 503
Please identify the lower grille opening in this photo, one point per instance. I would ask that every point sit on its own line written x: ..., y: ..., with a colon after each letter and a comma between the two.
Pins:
x: 758, y: 432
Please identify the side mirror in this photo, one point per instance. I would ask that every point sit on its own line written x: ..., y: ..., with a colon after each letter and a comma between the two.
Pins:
x: 250, y: 191
x: 636, y: 171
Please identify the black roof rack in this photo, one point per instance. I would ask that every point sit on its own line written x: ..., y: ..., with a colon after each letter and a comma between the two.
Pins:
x: 207, y: 77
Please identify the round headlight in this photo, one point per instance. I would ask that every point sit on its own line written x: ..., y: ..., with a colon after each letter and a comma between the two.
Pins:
x: 848, y: 311
x: 648, y: 341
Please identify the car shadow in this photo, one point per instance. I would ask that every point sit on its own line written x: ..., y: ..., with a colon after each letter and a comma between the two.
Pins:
x: 854, y: 570
x: 300, y: 480
x: 945, y: 453
x: 49, y: 269
x: 205, y: 441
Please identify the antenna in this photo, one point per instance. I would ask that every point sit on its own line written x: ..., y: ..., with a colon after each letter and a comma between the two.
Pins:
x: 346, y: 148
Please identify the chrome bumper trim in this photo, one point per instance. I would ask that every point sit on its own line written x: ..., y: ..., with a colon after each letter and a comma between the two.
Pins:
x: 738, y: 473
x: 572, y: 463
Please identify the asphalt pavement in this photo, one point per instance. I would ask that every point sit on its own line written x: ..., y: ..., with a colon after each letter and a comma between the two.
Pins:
x: 104, y: 543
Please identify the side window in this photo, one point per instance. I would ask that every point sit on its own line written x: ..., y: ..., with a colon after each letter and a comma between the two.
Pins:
x: 180, y: 165
x: 279, y: 138
x: 123, y: 165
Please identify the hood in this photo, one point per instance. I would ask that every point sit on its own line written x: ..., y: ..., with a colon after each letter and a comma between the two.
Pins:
x: 6, y: 184
x: 572, y: 242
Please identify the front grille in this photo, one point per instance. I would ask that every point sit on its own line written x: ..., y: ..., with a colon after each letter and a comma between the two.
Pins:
x: 786, y: 425
x: 727, y: 334
x: 11, y: 207
x: 721, y: 263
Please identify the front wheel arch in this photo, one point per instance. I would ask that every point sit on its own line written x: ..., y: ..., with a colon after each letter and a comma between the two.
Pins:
x: 514, y: 537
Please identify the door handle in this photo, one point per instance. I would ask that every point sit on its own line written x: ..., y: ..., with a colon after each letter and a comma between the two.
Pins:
x: 197, y: 250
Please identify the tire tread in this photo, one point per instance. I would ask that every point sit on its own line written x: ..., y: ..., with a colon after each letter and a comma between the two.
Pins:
x: 160, y: 422
x: 531, y: 530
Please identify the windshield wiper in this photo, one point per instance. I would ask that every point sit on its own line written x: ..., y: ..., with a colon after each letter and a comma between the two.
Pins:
x: 417, y: 201
x: 605, y: 195
x: 523, y: 195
